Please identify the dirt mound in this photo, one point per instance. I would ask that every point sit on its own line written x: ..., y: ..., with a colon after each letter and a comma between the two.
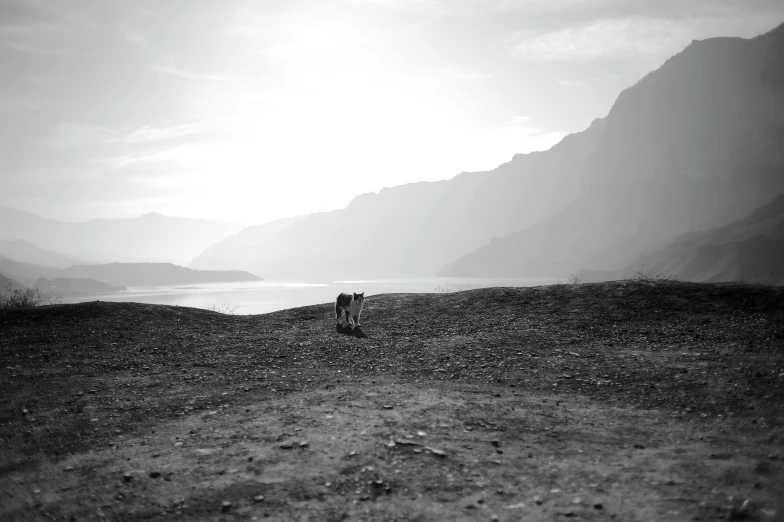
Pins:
x: 613, y: 401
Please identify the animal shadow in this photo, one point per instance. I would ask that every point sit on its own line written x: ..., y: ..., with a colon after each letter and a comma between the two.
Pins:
x: 346, y: 330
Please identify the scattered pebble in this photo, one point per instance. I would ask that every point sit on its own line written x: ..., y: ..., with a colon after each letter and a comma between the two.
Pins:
x: 225, y: 506
x: 258, y: 498
x: 155, y: 474
x: 436, y: 451
x: 127, y: 477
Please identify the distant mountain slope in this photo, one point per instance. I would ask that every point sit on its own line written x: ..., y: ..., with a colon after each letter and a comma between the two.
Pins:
x: 749, y: 248
x: 694, y: 145
x: 148, y: 238
x: 152, y: 274
x: 414, y: 229
x: 25, y: 273
x: 26, y: 252
x: 240, y: 251
x: 7, y: 283
x: 65, y: 287
x: 122, y: 274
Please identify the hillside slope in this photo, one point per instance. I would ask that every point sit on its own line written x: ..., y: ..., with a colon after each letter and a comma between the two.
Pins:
x: 749, y: 248
x: 240, y: 251
x: 148, y: 238
x: 26, y: 252
x: 694, y: 145
x: 6, y: 283
x: 608, y: 402
x: 153, y: 274
x: 123, y: 274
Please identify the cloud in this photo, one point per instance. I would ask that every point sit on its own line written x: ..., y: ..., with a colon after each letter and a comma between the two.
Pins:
x: 631, y: 37
x: 77, y: 134
x: 181, y: 73
x: 150, y: 133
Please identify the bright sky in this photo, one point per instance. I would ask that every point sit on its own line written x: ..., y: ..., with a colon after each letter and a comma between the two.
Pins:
x: 251, y: 111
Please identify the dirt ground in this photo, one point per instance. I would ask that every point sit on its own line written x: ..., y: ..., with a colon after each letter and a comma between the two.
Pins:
x: 617, y: 401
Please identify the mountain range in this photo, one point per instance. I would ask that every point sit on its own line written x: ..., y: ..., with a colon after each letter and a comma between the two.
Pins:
x: 694, y: 145
x: 119, y: 274
x: 26, y: 252
x: 148, y: 238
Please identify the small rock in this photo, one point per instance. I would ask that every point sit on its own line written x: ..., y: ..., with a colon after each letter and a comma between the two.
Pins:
x: 156, y: 455
x: 387, y: 406
x: 127, y: 477
x: 177, y: 444
x: 258, y: 498
x: 155, y: 474
x: 494, y: 518
x: 436, y: 451
x: 304, y: 444
x: 495, y: 443
x: 639, y: 446
x: 538, y: 500
x: 286, y: 445
x: 421, y: 433
x: 68, y: 468
x: 225, y: 506
x: 598, y: 506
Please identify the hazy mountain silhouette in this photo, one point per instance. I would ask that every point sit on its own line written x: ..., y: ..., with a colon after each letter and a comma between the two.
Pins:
x: 26, y: 252
x: 6, y: 283
x: 240, y: 251
x: 414, y: 229
x: 152, y: 274
x: 65, y: 287
x: 693, y: 145
x: 148, y: 238
x: 749, y: 248
x: 122, y: 274
x: 25, y: 273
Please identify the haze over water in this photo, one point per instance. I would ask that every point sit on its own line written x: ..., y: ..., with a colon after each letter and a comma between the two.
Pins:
x: 260, y: 297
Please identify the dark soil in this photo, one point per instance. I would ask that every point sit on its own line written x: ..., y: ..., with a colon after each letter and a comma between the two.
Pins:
x: 614, y: 401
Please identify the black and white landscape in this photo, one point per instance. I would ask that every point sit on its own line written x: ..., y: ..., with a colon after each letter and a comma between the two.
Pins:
x: 566, y: 219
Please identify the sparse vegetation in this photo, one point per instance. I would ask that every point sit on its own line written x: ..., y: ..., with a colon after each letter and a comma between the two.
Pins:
x: 11, y: 299
x: 575, y: 279
x: 21, y: 298
x: 226, y: 308
x: 769, y: 280
x: 448, y: 288
x: 649, y: 274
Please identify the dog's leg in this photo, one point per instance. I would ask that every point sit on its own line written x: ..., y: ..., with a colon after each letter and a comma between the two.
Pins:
x: 348, y: 317
x: 337, y: 313
x: 358, y: 314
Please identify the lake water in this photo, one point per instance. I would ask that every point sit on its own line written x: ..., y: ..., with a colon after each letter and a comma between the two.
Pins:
x: 260, y: 297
